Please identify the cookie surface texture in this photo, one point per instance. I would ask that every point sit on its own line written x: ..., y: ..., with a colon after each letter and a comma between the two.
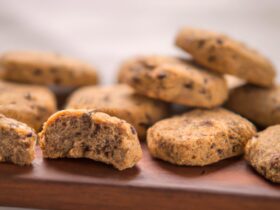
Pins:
x: 225, y: 55
x: 199, y: 137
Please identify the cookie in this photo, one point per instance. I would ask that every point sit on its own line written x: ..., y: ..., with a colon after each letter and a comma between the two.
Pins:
x: 260, y: 105
x: 222, y: 54
x: 122, y: 102
x: 47, y: 69
x: 263, y: 153
x: 199, y: 137
x: 174, y: 80
x: 90, y: 134
x: 30, y: 104
x: 17, y: 142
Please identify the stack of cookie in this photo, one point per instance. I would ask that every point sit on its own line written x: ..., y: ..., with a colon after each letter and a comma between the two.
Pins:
x: 209, y: 133
x: 76, y: 133
x: 105, y: 123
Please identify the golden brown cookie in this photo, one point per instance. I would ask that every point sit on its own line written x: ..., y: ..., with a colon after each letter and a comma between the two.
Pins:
x: 122, y: 102
x: 263, y: 153
x: 260, y: 105
x: 227, y: 56
x: 47, y: 69
x: 199, y: 137
x: 17, y: 142
x: 30, y: 104
x: 90, y: 134
x: 174, y: 80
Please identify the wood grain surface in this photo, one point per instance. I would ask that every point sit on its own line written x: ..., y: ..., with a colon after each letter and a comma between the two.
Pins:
x: 152, y: 184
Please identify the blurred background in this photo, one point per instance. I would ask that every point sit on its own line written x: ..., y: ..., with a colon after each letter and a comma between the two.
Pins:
x: 104, y: 32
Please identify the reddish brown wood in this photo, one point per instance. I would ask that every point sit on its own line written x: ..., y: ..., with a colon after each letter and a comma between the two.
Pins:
x: 153, y: 184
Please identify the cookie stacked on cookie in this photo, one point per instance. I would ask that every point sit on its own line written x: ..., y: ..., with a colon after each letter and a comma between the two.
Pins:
x: 207, y: 133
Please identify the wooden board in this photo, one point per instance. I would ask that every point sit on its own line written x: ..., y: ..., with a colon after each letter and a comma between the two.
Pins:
x: 153, y: 184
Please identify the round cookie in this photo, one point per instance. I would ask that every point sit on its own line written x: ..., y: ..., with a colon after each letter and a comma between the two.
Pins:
x: 90, y: 134
x: 122, y: 102
x: 199, y: 137
x: 260, y: 105
x: 263, y: 153
x: 30, y: 104
x: 46, y: 69
x: 174, y: 80
x: 225, y: 55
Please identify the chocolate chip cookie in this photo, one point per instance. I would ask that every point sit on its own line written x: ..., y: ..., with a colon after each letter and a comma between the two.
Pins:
x: 199, y: 137
x: 222, y: 54
x: 30, y: 104
x: 263, y: 153
x: 17, y: 142
x: 90, y: 134
x: 174, y: 80
x: 122, y: 102
x: 47, y: 69
x: 260, y: 105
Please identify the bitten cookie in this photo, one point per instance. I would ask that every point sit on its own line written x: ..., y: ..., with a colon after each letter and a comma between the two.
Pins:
x: 90, y: 134
x: 46, y: 69
x: 122, y: 102
x: 225, y: 55
x: 17, y: 142
x: 26, y: 103
x: 263, y: 153
x: 260, y: 105
x: 199, y: 137
x: 174, y: 80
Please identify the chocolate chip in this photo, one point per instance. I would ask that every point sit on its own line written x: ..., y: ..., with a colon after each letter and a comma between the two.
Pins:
x: 29, y: 135
x: 133, y: 130
x: 212, y: 58
x: 189, y: 85
x: 161, y: 75
x: 57, y: 81
x: 220, y: 41
x: 53, y: 70
x: 212, y: 146
x: 202, y: 91
x: 37, y: 72
x: 86, y: 148
x: 206, y: 123
x: 193, y: 157
x: 219, y: 151
x: 78, y: 134
x: 235, y: 148
x: 200, y: 43
x: 136, y: 79
x: 27, y: 96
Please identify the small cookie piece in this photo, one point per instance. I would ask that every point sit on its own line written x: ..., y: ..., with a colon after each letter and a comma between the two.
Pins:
x: 199, y: 137
x: 260, y: 105
x: 174, y: 80
x: 30, y: 104
x: 47, y: 69
x: 90, y: 134
x: 263, y: 153
x: 17, y: 142
x: 225, y: 55
x: 122, y: 102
